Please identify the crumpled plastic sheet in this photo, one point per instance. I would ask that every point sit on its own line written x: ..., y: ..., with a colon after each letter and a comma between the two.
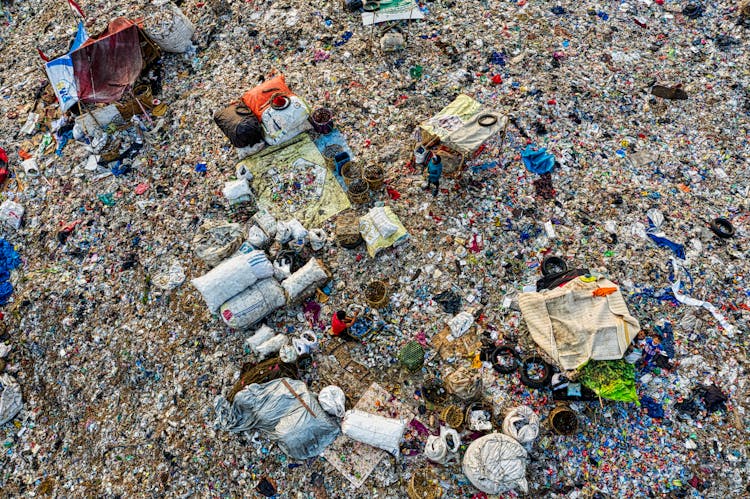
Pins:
x: 496, y: 463
x: 11, y: 401
x: 274, y: 410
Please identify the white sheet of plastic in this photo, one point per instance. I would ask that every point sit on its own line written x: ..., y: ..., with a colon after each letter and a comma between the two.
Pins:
x: 333, y: 400
x: 521, y: 423
x: 311, y: 274
x: 231, y: 277
x: 496, y: 463
x: 272, y: 346
x: 244, y: 152
x: 253, y: 304
x: 262, y: 334
x: 11, y: 401
x: 272, y: 409
x: 371, y: 429
x: 460, y: 324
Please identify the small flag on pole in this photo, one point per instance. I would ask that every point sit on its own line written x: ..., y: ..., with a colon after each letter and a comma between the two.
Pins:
x: 76, y: 8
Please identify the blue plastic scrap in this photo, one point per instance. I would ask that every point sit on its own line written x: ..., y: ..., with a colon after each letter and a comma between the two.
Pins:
x: 9, y: 260
x: 537, y: 161
x: 663, y: 242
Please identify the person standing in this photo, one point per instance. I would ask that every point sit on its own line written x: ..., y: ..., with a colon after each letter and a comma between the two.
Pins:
x: 434, y: 171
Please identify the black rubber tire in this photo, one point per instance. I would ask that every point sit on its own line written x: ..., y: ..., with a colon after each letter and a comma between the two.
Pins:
x: 504, y: 350
x: 722, y: 228
x: 533, y: 383
x: 553, y: 261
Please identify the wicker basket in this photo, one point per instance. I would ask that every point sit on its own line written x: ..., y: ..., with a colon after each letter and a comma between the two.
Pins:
x: 453, y: 416
x: 329, y: 153
x: 422, y: 486
x: 434, y: 392
x: 322, y: 120
x: 358, y: 191
x: 453, y: 162
x: 374, y: 176
x: 347, y: 230
x: 563, y: 420
x: 130, y: 107
x: 350, y: 172
x: 376, y: 294
x: 112, y: 151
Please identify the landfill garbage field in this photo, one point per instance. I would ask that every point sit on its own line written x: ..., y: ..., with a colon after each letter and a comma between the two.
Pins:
x: 374, y: 248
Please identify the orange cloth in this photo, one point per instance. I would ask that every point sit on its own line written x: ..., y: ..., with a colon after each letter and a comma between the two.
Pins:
x: 259, y: 98
x: 604, y: 291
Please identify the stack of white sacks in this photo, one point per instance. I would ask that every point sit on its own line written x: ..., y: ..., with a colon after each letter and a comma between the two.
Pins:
x: 247, y: 287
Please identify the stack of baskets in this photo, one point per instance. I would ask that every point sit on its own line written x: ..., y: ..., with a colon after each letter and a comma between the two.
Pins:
x: 351, y: 172
x: 358, y: 191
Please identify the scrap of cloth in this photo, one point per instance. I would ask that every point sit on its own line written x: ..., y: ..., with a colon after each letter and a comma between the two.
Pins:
x: 537, y: 161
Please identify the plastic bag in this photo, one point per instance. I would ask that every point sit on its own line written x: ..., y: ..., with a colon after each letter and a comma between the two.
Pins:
x: 214, y: 241
x: 496, y: 463
x: 11, y: 214
x: 266, y: 221
x: 237, y: 191
x: 282, y: 269
x: 273, y: 409
x: 288, y: 354
x: 440, y: 449
x: 11, y: 401
x: 253, y: 304
x: 306, y: 343
x: 333, y: 400
x: 521, y: 423
x: 272, y: 345
x: 283, y: 232
x: 256, y: 237
x: 317, y: 239
x: 460, y: 324
x: 170, y: 29
x: 240, y: 125
x: 261, y: 335
x: 464, y: 384
x: 232, y: 277
x: 377, y: 431
x: 311, y: 274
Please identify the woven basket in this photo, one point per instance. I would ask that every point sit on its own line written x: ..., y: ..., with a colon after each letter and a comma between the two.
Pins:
x: 453, y: 416
x: 350, y: 172
x: 374, y: 176
x: 358, y: 191
x: 422, y: 486
x: 347, y: 230
x: 453, y: 162
x: 563, y: 420
x: 376, y: 294
x: 112, y: 151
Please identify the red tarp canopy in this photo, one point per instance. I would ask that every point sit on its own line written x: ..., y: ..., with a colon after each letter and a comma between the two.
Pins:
x: 105, y: 65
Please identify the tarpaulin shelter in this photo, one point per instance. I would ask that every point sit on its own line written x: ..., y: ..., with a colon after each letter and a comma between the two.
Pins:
x: 104, y: 66
x: 98, y: 69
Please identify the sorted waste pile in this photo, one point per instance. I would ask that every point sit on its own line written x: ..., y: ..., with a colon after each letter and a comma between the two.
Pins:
x: 535, y: 213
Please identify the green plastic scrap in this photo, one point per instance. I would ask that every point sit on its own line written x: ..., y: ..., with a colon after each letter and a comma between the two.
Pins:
x: 610, y: 379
